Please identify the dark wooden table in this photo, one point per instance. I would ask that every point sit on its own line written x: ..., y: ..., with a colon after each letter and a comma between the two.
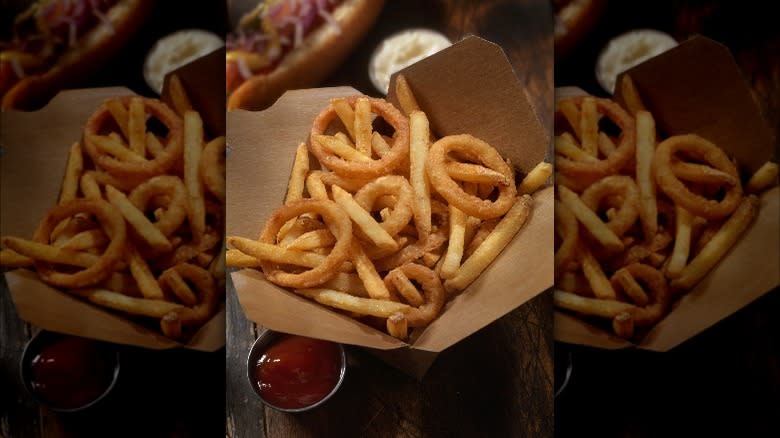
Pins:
x: 726, y: 380
x: 497, y: 382
x: 159, y: 393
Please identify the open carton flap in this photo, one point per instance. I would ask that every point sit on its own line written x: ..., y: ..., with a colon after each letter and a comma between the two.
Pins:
x: 261, y: 153
x: 685, y: 95
x: 32, y: 165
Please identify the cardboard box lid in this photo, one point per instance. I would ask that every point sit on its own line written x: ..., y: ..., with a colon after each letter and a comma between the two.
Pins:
x: 35, y: 147
x: 697, y: 87
x: 261, y: 153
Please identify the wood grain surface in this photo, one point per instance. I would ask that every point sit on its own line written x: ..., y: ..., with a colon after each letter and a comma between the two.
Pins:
x: 497, y: 382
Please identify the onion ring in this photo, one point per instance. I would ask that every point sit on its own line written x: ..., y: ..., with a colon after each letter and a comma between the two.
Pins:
x: 369, y: 169
x: 401, y: 190
x: 472, y: 205
x: 143, y: 168
x: 338, y: 223
x: 700, y: 149
x: 212, y: 167
x: 176, y: 210
x: 113, y: 224
x: 620, y: 185
x: 204, y: 283
x: 433, y: 291
x: 617, y: 159
x: 659, y: 293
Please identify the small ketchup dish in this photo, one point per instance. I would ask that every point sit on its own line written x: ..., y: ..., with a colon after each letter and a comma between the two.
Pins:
x: 293, y: 373
x: 68, y: 373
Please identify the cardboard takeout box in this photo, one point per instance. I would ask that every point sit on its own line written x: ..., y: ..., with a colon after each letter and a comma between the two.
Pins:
x: 35, y: 147
x: 467, y: 88
x: 697, y: 88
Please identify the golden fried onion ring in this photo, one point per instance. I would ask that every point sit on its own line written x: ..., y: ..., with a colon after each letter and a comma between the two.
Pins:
x: 700, y: 149
x: 114, y: 226
x: 622, y: 186
x: 176, y: 209
x: 472, y: 147
x: 395, y: 185
x: 433, y: 291
x: 145, y: 168
x: 372, y: 168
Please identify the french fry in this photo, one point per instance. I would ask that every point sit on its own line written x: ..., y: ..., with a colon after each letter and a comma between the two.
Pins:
x: 397, y: 326
x: 630, y: 287
x: 631, y: 97
x: 363, y: 126
x: 49, y: 253
x: 310, y: 240
x: 362, y: 306
x: 367, y: 272
x: 475, y: 173
x: 145, y: 229
x: 682, y: 242
x: 598, y: 229
x: 589, y: 126
x: 181, y: 102
x: 535, y: 178
x: 143, y: 276
x: 719, y: 245
x: 119, y: 113
x: 315, y: 186
x: 494, y: 243
x: 73, y: 172
x: 572, y: 115
x: 179, y: 287
x: 765, y: 177
x: 115, y: 148
x: 84, y: 240
x: 421, y: 187
x: 193, y: 147
x: 591, y: 306
x: 645, y: 149
x: 599, y: 283
x: 405, y: 287
x: 340, y: 148
x: 153, y: 145
x: 237, y: 259
x: 89, y: 186
x: 406, y: 98
x: 379, y: 144
x: 567, y: 146
x: 132, y: 305
x: 12, y: 259
x: 454, y: 254
x: 623, y: 325
x: 297, y: 181
x: 346, y: 114
x: 363, y: 219
x: 136, y: 126
x: 606, y: 145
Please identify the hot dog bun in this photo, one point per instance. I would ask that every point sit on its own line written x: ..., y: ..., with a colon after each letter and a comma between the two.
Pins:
x: 574, y: 19
x: 320, y: 53
x: 93, y: 49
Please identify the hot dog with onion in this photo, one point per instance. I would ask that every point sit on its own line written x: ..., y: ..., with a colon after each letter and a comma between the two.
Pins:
x: 286, y: 44
x: 54, y: 43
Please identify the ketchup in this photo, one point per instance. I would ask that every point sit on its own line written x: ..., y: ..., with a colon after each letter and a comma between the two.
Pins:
x: 70, y: 372
x: 296, y: 372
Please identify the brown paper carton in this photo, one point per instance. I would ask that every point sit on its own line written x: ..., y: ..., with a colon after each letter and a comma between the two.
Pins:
x: 468, y: 88
x: 35, y: 148
x: 697, y: 88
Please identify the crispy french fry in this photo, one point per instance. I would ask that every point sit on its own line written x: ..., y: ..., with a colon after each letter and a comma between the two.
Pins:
x: 397, y: 326
x: 421, y: 186
x: 379, y: 144
x: 475, y: 173
x: 598, y: 229
x: 363, y: 128
x: 645, y: 149
x: 49, y: 253
x: 345, y: 113
x: 718, y: 246
x: 362, y: 306
x: 623, y: 325
x: 589, y: 126
x: 276, y: 254
x: 367, y: 272
x: 193, y: 147
x: 12, y: 259
x: 572, y: 115
x: 89, y: 186
x: 73, y: 172
x: 143, y: 276
x: 310, y: 240
x: 363, y: 219
x: 119, y: 113
x: 599, y: 283
x: 631, y: 97
x: 86, y: 239
x: 765, y: 177
x: 237, y: 259
x: 406, y: 98
x: 606, y: 145
x: 682, y: 243
x: 179, y: 287
x: 136, y: 126
x: 455, y: 246
x: 567, y: 146
x: 494, y: 243
x: 591, y: 306
x: 340, y: 148
x: 153, y: 145
x: 181, y: 102
x: 132, y: 305
x: 115, y: 148
x: 136, y: 218
x: 297, y: 180
x: 702, y: 173
x: 535, y: 178
x: 630, y: 287
x: 405, y: 287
